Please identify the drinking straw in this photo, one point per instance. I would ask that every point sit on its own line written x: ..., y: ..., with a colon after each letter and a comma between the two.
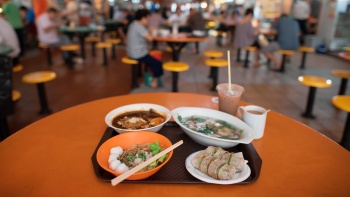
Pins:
x: 229, y: 71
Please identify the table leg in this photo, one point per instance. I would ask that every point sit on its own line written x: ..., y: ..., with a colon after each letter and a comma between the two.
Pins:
x: 246, y: 59
x: 303, y: 59
x: 176, y: 47
x: 215, y: 78
x: 49, y: 56
x: 82, y: 45
x: 93, y: 49
x: 4, y: 130
x: 197, y: 47
x: 238, y: 57
x: 284, y: 57
x: 134, y: 76
x: 113, y: 52
x: 345, y: 142
x: 44, y: 107
x: 175, y: 78
x: 310, y: 103
x: 343, y: 84
x: 105, y: 57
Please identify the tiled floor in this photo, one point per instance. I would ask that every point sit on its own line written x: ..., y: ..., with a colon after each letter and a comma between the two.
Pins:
x: 275, y: 91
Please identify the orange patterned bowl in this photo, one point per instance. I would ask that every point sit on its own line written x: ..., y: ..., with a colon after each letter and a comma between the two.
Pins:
x: 127, y: 140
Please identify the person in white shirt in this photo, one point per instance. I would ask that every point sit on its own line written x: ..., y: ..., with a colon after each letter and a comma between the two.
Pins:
x: 71, y: 12
x: 178, y: 17
x: 301, y: 13
x: 8, y: 37
x: 47, y: 27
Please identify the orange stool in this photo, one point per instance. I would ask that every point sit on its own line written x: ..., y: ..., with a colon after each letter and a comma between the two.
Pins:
x: 134, y: 64
x: 344, y: 75
x: 39, y: 78
x: 313, y: 82
x: 104, y: 46
x: 284, y: 54
x: 214, y: 70
x: 305, y: 50
x: 248, y: 50
x: 343, y: 103
x: 175, y: 68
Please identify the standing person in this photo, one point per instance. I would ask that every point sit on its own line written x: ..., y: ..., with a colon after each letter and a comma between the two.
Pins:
x: 301, y: 13
x: 71, y: 12
x: 13, y: 16
x: 47, y: 26
x: 137, y: 48
x: 7, y: 37
x: 246, y: 34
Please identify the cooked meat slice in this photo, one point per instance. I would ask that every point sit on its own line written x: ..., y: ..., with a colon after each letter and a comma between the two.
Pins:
x: 210, y: 150
x: 204, y: 165
x: 226, y: 172
x: 214, y: 165
x: 219, y: 153
x: 238, y: 161
x: 226, y: 157
x: 198, y: 159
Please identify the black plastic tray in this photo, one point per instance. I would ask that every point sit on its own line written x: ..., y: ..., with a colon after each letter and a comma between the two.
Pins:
x: 175, y: 170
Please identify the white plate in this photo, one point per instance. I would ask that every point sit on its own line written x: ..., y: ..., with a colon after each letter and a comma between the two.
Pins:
x: 238, y: 177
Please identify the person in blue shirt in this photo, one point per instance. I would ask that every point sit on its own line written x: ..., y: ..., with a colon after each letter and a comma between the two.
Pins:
x: 288, y: 32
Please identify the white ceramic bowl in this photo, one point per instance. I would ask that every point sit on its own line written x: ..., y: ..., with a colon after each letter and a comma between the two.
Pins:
x: 246, y: 137
x: 136, y: 107
x: 164, y: 32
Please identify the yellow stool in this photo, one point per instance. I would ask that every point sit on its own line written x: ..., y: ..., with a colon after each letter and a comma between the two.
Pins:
x: 114, y: 42
x: 93, y: 40
x: 213, y: 54
x: 70, y: 47
x: 134, y: 64
x: 104, y: 46
x: 347, y: 50
x: 214, y: 69
x: 175, y: 68
x: 305, y: 50
x: 16, y: 95
x: 17, y: 68
x: 284, y: 54
x: 248, y: 50
x: 39, y: 78
x: 313, y: 82
x: 47, y: 48
x: 343, y: 103
x: 344, y: 75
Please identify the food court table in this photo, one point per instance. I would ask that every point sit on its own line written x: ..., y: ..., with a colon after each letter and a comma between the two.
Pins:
x: 51, y: 157
x: 5, y: 49
x: 82, y: 32
x: 176, y: 43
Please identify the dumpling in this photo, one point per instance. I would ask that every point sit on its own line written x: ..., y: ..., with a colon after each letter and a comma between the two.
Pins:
x: 122, y: 168
x: 114, y: 164
x: 116, y: 150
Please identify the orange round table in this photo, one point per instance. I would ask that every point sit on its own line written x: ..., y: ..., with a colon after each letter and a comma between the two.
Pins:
x: 52, y: 157
x: 176, y: 43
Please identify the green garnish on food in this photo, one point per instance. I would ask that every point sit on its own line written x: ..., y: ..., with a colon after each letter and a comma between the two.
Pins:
x: 211, y: 127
